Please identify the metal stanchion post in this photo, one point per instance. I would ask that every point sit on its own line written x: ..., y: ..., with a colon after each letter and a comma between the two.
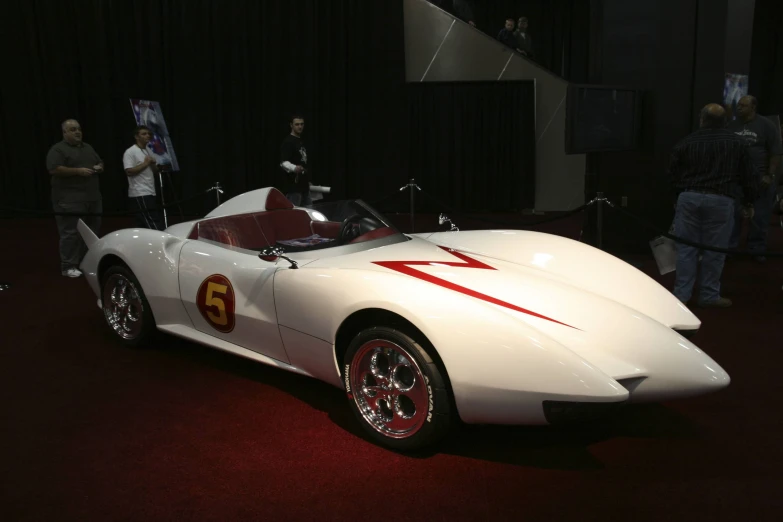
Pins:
x: 411, y: 186
x: 413, y: 208
x: 218, y: 191
x: 600, y: 219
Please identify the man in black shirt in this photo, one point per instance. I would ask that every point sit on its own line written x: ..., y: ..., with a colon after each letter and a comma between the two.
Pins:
x: 506, y: 35
x: 763, y: 139
x: 708, y: 167
x: 293, y: 161
x: 74, y: 167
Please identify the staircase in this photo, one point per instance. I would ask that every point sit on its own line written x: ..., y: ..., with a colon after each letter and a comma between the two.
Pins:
x: 442, y: 48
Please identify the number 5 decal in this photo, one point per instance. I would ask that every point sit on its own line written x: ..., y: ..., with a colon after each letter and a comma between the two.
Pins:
x: 215, y: 301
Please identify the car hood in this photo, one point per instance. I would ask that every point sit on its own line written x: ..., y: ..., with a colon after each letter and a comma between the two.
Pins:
x: 625, y: 334
x: 536, y: 279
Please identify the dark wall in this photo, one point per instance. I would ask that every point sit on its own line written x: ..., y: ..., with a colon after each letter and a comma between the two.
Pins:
x: 675, y: 50
x: 766, y: 70
x: 488, y: 125
x: 739, y: 35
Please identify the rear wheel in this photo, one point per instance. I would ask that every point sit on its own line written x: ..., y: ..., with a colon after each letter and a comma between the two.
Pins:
x: 125, y: 307
x: 396, y: 390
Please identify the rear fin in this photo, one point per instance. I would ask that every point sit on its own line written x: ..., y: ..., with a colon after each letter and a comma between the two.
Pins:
x: 87, y: 234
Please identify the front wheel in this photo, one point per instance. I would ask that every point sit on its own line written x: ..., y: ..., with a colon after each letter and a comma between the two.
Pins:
x: 125, y: 307
x: 396, y: 390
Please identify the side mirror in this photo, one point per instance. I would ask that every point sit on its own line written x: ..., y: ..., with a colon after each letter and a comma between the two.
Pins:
x: 271, y: 254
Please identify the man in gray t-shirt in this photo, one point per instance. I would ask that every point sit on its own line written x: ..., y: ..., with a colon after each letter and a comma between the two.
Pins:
x: 74, y: 167
x: 765, y: 147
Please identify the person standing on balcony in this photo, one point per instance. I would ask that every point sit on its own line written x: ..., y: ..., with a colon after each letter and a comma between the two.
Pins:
x: 524, y: 41
x: 506, y: 35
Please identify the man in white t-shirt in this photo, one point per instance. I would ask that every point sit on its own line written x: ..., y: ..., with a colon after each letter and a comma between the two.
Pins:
x: 141, y: 168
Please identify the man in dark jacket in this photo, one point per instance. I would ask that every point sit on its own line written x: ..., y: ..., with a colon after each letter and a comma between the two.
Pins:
x: 506, y: 35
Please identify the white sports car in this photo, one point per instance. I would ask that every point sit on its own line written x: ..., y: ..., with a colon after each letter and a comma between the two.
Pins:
x: 420, y: 330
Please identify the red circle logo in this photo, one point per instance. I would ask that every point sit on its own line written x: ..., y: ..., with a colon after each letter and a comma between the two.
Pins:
x: 215, y: 301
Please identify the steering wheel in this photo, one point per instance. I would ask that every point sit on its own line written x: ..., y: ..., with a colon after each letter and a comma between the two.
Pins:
x: 350, y: 229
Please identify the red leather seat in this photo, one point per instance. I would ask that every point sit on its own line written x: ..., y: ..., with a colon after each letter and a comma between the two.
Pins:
x: 328, y: 229
x: 240, y: 231
x: 258, y: 230
x: 280, y: 225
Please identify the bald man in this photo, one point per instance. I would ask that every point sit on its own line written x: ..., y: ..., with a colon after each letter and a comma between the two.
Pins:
x: 763, y: 138
x: 74, y: 167
x: 708, y: 168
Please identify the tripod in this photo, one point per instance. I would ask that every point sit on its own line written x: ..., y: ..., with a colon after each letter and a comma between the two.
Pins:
x: 167, y: 170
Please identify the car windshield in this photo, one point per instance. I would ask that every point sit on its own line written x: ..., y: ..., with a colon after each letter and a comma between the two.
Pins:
x: 349, y: 224
x: 336, y: 223
x: 354, y: 211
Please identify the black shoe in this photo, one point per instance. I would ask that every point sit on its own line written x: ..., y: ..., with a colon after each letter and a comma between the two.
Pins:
x: 721, y: 302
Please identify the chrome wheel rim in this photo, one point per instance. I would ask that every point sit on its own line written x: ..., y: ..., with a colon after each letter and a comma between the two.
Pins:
x: 122, y: 306
x: 389, y: 388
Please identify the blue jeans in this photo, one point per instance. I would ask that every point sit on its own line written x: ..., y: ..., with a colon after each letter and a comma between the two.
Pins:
x: 706, y: 219
x: 759, y: 224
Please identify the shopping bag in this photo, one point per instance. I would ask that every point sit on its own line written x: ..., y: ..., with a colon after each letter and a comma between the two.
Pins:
x: 665, y: 252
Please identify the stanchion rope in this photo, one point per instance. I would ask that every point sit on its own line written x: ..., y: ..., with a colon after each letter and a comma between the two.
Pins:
x: 507, y: 223
x: 688, y: 242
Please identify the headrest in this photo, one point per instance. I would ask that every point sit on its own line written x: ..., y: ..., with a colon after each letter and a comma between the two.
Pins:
x: 258, y: 200
x: 275, y: 200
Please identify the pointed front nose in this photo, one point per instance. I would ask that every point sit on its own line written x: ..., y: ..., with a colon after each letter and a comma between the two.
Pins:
x: 698, y: 376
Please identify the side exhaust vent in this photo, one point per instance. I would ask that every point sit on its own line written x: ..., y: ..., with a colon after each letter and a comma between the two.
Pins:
x: 631, y: 383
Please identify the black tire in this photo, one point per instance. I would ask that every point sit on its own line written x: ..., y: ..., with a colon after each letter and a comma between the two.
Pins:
x: 127, y: 312
x: 411, y: 412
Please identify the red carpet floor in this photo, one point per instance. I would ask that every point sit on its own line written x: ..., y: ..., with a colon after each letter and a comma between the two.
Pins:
x: 91, y: 431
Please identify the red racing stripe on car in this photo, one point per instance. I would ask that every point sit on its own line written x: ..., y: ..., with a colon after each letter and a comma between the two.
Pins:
x: 406, y: 267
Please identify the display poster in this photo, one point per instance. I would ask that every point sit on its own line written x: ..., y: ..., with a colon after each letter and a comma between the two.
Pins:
x: 735, y: 86
x: 149, y: 113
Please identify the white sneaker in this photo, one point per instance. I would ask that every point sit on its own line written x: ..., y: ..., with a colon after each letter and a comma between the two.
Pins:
x: 72, y: 272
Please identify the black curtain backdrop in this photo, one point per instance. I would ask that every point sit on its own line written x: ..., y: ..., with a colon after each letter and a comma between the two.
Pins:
x: 227, y: 75
x: 473, y: 141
